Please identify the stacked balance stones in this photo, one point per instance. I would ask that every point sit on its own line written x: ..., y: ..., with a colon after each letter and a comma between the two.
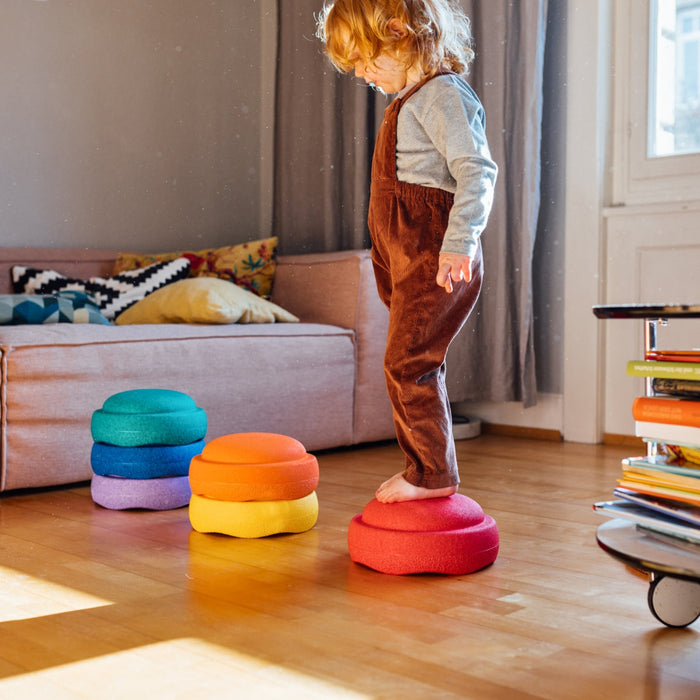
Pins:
x: 144, y: 441
x: 253, y: 485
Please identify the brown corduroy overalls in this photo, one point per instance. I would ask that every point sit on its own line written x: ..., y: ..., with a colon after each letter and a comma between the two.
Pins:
x: 407, y: 223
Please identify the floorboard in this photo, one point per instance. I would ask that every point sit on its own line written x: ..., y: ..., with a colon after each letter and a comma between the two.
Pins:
x: 97, y: 603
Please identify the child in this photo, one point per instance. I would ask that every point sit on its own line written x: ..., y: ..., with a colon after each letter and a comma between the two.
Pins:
x: 431, y: 194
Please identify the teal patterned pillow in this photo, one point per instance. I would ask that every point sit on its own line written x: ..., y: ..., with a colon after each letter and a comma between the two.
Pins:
x: 65, y: 307
x: 112, y: 294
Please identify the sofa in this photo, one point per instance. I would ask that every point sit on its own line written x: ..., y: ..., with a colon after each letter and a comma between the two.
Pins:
x: 319, y: 380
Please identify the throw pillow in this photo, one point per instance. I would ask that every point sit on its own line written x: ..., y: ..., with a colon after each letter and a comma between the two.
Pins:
x: 66, y: 307
x: 113, y: 294
x: 249, y: 265
x: 204, y: 300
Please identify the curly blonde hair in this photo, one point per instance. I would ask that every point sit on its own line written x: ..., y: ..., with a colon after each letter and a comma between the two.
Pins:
x: 437, y: 34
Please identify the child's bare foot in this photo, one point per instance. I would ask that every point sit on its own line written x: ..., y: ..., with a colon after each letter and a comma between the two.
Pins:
x: 398, y: 489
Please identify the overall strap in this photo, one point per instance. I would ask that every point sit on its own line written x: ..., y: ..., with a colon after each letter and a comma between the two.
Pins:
x: 386, y: 139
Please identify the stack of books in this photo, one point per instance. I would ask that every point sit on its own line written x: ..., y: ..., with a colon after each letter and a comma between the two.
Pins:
x: 661, y: 492
x: 672, y: 414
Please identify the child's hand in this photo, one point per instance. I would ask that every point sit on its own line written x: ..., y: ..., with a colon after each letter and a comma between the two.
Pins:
x: 453, y: 267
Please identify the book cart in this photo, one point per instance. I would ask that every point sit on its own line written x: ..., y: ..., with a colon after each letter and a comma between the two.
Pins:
x: 672, y: 563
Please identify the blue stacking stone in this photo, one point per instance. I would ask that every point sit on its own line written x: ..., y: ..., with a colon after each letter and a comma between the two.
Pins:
x: 147, y: 462
x: 148, y: 417
x: 144, y: 441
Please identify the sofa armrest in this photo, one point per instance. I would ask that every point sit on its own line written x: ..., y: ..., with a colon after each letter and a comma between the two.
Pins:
x: 323, y: 287
x: 339, y: 289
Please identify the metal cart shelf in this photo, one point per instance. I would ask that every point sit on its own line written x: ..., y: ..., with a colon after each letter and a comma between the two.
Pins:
x: 673, y: 566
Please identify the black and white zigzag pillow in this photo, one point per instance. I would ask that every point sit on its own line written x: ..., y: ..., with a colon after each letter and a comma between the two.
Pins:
x: 113, y: 294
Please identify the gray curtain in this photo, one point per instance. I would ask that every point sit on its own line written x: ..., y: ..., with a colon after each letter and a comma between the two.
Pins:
x: 493, y: 358
x: 325, y: 126
x: 325, y: 129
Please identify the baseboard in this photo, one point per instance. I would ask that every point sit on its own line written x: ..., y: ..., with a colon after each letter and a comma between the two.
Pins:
x: 554, y: 435
x: 546, y: 414
x: 521, y: 431
x: 624, y: 441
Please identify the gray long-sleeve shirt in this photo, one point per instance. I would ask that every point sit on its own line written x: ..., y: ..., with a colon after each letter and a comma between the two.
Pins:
x: 441, y: 142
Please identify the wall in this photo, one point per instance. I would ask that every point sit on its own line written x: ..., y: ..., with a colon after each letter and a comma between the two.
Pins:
x: 132, y: 124
x: 652, y: 256
x: 148, y: 125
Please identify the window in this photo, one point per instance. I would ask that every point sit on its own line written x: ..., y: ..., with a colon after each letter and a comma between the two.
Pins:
x: 674, y: 73
x: 657, y: 101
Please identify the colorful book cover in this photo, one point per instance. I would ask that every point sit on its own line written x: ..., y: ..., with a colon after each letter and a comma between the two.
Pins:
x: 654, y: 477
x: 673, y: 494
x: 651, y: 519
x: 664, y: 370
x: 689, y: 456
x: 657, y: 409
x: 674, y: 509
x: 663, y: 463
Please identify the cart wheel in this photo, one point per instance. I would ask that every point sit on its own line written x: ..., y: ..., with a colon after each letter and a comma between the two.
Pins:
x: 674, y: 601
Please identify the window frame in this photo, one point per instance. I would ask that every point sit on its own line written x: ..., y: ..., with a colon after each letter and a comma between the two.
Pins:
x: 636, y: 177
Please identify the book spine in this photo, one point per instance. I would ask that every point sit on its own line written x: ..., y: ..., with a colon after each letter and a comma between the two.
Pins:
x: 669, y: 433
x: 650, y: 476
x: 654, y: 409
x: 664, y: 370
x: 676, y: 387
x: 673, y: 355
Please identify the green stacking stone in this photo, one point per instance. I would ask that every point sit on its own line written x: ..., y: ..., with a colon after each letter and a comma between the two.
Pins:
x: 148, y: 417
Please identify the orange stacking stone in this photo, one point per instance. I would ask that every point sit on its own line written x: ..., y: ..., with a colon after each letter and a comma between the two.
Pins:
x: 254, y: 467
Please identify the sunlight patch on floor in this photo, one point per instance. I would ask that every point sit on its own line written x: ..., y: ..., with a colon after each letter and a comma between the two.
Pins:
x: 23, y: 597
x: 185, y: 667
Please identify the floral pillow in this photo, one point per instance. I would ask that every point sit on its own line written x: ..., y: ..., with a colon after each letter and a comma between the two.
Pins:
x: 248, y: 265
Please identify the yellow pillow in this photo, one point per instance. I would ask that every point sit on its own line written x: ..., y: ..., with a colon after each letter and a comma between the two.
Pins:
x: 203, y: 300
x: 249, y: 265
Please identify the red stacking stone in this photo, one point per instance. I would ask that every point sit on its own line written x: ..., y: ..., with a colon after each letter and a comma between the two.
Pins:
x: 437, y: 535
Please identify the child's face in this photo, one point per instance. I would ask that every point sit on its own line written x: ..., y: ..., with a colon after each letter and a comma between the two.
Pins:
x: 385, y: 73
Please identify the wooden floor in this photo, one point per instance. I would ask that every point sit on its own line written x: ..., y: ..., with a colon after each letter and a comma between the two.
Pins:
x: 97, y: 603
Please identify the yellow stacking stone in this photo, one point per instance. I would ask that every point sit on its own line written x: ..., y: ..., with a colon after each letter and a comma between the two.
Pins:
x: 250, y: 519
